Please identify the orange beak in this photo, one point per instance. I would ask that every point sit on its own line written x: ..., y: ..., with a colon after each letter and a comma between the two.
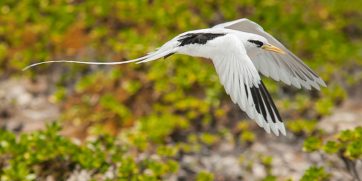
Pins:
x: 272, y: 48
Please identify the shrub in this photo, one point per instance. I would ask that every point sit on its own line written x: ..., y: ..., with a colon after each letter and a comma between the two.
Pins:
x: 43, y: 154
x: 347, y: 145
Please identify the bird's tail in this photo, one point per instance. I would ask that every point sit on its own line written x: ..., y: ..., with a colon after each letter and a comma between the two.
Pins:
x: 80, y: 62
x: 161, y: 52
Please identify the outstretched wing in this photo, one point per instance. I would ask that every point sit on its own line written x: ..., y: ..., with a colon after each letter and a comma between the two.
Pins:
x: 242, y: 82
x: 285, y: 67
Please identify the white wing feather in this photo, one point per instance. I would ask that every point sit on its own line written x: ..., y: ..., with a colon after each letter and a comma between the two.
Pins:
x: 287, y: 68
x: 240, y: 78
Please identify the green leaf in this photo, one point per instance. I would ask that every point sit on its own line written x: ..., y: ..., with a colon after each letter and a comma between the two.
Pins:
x: 204, y: 176
x: 354, y: 150
x: 312, y: 144
x: 315, y: 173
x: 331, y: 147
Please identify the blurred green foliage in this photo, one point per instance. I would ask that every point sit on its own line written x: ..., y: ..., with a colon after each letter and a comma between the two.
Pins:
x: 39, y: 154
x: 167, y: 106
x: 348, y: 143
x: 315, y: 173
x: 204, y: 176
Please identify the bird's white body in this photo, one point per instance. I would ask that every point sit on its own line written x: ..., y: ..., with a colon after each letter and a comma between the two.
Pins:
x: 239, y: 50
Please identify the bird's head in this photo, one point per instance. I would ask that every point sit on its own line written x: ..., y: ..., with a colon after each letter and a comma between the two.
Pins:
x: 262, y: 43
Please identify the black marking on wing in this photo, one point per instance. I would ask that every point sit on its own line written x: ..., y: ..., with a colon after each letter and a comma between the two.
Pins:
x: 168, y: 55
x: 271, y: 102
x: 268, y: 103
x: 198, y: 38
x: 264, y: 104
x: 246, y: 90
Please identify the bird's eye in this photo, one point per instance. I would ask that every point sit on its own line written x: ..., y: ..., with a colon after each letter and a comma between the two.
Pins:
x: 256, y: 42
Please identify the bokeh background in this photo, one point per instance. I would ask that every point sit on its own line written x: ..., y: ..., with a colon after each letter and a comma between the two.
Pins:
x: 171, y: 119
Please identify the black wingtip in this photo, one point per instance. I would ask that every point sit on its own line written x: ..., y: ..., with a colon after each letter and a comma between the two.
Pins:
x: 264, y: 104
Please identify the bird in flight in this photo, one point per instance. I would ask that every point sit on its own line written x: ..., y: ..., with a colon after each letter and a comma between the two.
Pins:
x: 239, y: 50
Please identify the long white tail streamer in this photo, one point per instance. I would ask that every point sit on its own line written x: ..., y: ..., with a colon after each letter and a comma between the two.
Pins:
x: 150, y: 57
x: 83, y: 62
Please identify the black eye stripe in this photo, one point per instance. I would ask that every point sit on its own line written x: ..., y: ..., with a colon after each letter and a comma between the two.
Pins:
x: 256, y: 42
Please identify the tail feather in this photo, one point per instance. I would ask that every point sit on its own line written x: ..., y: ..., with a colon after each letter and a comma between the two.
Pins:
x: 165, y: 50
x: 82, y: 62
x: 155, y: 56
x: 150, y: 57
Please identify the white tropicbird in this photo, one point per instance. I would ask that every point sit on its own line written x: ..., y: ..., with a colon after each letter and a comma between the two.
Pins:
x: 239, y: 50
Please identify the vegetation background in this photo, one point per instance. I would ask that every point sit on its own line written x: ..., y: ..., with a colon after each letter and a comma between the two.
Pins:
x: 171, y: 119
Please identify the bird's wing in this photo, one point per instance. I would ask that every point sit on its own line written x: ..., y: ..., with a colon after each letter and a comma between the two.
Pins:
x: 285, y: 67
x: 242, y: 82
